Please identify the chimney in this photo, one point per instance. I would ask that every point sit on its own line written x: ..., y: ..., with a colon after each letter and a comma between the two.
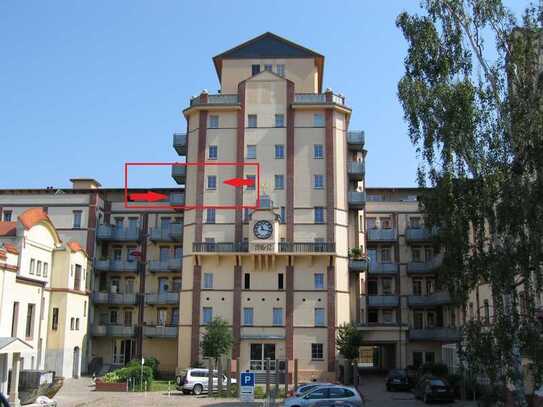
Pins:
x: 85, y: 183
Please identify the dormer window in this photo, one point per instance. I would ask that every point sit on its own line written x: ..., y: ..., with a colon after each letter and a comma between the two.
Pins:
x: 255, y: 69
x: 281, y: 69
x: 268, y: 67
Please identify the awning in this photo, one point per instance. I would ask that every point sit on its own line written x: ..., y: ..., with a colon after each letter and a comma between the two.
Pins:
x: 13, y: 345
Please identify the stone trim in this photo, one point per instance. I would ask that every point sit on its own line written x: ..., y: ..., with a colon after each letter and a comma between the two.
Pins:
x: 330, y: 182
x: 290, y: 162
x: 240, y: 147
x: 289, y: 314
x: 237, y: 312
x: 331, y: 320
x: 195, y: 328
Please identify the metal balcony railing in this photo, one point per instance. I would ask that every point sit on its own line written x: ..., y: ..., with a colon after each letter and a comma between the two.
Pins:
x: 356, y: 199
x: 356, y: 170
x: 436, y: 334
x: 180, y: 143
x: 116, y: 265
x: 179, y: 173
x: 419, y: 234
x: 160, y: 331
x: 356, y: 140
x: 222, y: 247
x: 173, y: 265
x: 114, y: 298
x: 218, y: 99
x: 383, y: 300
x: 317, y: 98
x: 118, y: 233
x: 382, y: 268
x: 177, y: 199
x: 435, y: 299
x: 113, y: 330
x: 170, y: 233
x: 359, y: 265
x: 163, y: 298
x: 307, y: 247
x: 428, y: 266
x: 381, y: 235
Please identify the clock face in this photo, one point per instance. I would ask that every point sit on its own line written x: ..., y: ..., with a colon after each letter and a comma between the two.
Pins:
x: 263, y: 229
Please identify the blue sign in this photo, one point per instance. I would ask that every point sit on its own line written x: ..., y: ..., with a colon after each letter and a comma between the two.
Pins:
x: 247, y: 379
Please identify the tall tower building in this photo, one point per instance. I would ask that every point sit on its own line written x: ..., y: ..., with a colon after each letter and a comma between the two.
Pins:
x: 272, y: 258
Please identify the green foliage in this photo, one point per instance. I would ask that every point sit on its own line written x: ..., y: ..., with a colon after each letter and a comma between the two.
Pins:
x: 217, y: 339
x: 355, y: 253
x: 260, y: 392
x: 349, y: 339
x: 150, y: 361
x: 133, y: 372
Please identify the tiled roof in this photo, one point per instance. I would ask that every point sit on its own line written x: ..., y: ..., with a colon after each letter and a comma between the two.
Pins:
x: 75, y: 246
x: 8, y: 228
x: 32, y: 217
x: 11, y: 248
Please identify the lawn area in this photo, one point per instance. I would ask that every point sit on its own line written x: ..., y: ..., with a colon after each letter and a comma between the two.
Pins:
x: 162, y: 385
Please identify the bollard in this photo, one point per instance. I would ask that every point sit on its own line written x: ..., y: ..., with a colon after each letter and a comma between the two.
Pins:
x: 169, y: 389
x: 238, y: 374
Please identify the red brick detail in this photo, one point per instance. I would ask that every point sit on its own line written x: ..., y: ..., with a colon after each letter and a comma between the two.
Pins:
x: 236, y: 323
x: 290, y: 162
x: 203, y: 97
x: 240, y: 148
x: 1, y: 209
x: 91, y: 224
x: 195, y: 331
x: 200, y: 173
x: 107, y: 212
x: 331, y: 322
x: 330, y: 181
x: 103, y: 386
x: 289, y: 315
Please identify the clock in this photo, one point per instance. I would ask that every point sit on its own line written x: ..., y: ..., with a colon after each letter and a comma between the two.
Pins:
x: 263, y: 229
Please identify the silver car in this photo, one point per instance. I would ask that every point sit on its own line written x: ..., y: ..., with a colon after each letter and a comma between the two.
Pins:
x: 304, y: 388
x: 326, y: 396
x: 195, y: 381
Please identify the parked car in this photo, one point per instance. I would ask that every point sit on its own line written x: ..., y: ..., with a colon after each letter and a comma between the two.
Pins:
x: 398, y: 379
x: 305, y: 387
x: 195, y: 381
x: 3, y: 401
x: 432, y: 388
x: 327, y: 395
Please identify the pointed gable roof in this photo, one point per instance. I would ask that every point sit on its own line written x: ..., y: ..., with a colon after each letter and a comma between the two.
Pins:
x: 269, y: 45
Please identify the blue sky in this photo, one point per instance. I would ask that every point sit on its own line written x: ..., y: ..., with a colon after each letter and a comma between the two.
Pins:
x: 88, y: 85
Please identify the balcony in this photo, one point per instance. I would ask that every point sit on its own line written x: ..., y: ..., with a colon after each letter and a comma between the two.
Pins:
x: 114, y: 298
x: 419, y: 234
x: 218, y: 99
x: 435, y: 299
x: 118, y: 233
x: 170, y: 233
x: 382, y: 268
x: 222, y: 247
x: 358, y: 265
x: 356, y: 199
x: 429, y: 266
x: 307, y: 247
x: 356, y: 170
x: 180, y: 143
x: 356, y: 140
x: 318, y: 99
x: 381, y: 235
x: 168, y: 265
x: 177, y: 199
x: 383, y: 301
x: 436, y: 334
x: 116, y: 265
x: 160, y: 331
x: 113, y: 330
x: 179, y: 173
x: 165, y: 298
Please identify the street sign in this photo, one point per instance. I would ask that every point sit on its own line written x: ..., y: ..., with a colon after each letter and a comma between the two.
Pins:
x: 247, y: 387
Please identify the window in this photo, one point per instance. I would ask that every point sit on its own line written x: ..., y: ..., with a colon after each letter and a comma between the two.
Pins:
x: 318, y: 181
x: 470, y: 310
x: 319, y: 316
x: 77, y: 277
x: 246, y: 214
x: 487, y: 312
x: 29, y: 329
x: 85, y: 309
x: 210, y: 215
x: 113, y: 317
x: 371, y: 223
x: 38, y: 268
x: 280, y: 281
x: 319, y: 281
x: 414, y: 222
x: 418, y: 319
x: 255, y: 69
x: 251, y: 187
x: 72, y: 324
x: 387, y: 286
x: 208, y: 315
x: 372, y: 287
x: 388, y: 316
x: 132, y: 222
x: 15, y: 319
x: 428, y: 254
x: 212, y: 153
x: 429, y: 357
x: 252, y: 121
x: 283, y: 215
x: 127, y: 318
x: 208, y: 280
x: 213, y: 121
x: 373, y: 316
x: 452, y: 321
x: 45, y: 269
x: 247, y: 281
x: 430, y: 287
x: 119, y: 221
x: 54, y: 319
x: 416, y: 254
x: 7, y: 216
x: 251, y: 152
x: 268, y: 67
x: 77, y: 219
x: 431, y: 319
x: 211, y: 182
x: 279, y: 151
x: 176, y: 284
x: 280, y: 69
x: 317, y: 351
x: 247, y: 316
x: 318, y: 120
x: 278, y: 316
x: 417, y: 359
x: 319, y: 214
x: 385, y: 223
x: 318, y: 151
x: 77, y: 324
x: 279, y: 120
x: 32, y: 266
x: 385, y: 255
x: 279, y: 182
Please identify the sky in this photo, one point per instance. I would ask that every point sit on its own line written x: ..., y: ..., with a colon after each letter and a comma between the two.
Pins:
x: 86, y: 86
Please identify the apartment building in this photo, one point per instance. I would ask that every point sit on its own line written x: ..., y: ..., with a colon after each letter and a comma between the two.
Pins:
x: 135, y: 268
x: 43, y: 300
x: 406, y: 318
x: 278, y: 273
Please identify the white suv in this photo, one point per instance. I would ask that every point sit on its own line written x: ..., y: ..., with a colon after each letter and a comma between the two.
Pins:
x: 195, y: 381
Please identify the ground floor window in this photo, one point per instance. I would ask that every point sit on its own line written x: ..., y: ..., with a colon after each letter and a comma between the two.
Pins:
x: 317, y: 351
x: 419, y: 358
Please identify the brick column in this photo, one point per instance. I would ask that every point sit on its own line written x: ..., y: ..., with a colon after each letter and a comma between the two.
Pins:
x: 195, y: 331
x: 91, y: 225
x: 289, y: 314
x: 330, y: 180
x: 141, y: 271
x: 290, y: 163
x: 331, y: 322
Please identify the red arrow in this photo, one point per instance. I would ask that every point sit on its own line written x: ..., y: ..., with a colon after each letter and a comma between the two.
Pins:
x: 149, y: 196
x: 240, y: 182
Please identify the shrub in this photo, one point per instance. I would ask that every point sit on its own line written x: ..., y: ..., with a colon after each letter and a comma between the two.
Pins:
x: 151, y: 362
x: 132, y: 372
x: 435, y: 369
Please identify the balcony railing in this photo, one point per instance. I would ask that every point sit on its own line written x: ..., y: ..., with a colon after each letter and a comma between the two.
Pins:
x: 266, y: 202
x: 218, y: 99
x: 116, y: 265
x: 173, y: 265
x: 436, y: 334
x: 160, y: 331
x: 115, y: 298
x: 435, y: 299
x: 113, y: 330
x: 177, y: 199
x: 383, y: 301
x: 356, y: 170
x: 170, y: 233
x: 382, y: 268
x: 419, y: 234
x: 356, y: 199
x: 317, y: 98
x: 180, y: 143
x: 381, y: 235
x: 359, y: 265
x: 162, y: 298
x: 356, y: 140
x: 425, y: 267
x: 118, y: 233
x: 307, y: 247
x: 222, y: 247
x: 179, y: 173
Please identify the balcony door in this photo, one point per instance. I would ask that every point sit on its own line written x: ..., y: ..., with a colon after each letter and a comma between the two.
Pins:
x: 164, y: 253
x: 124, y: 351
x: 259, y: 353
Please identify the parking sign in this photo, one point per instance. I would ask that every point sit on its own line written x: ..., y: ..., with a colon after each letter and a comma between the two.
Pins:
x: 247, y: 387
